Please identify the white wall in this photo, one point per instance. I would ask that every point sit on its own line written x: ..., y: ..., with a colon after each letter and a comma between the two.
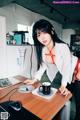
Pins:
x: 67, y: 34
x: 2, y: 47
x: 19, y: 61
x: 14, y: 15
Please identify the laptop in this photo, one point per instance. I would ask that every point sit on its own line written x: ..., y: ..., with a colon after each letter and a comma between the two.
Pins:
x: 23, y: 114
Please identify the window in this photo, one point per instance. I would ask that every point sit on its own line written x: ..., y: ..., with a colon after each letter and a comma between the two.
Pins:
x: 28, y: 35
x: 22, y: 27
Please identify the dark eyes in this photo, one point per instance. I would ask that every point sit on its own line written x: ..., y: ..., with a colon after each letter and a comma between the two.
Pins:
x: 38, y: 35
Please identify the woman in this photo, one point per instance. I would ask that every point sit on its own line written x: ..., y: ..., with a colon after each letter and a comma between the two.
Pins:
x: 53, y: 55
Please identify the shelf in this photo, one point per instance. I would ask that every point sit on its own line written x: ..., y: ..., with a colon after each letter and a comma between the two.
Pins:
x: 75, y: 43
x: 18, y: 45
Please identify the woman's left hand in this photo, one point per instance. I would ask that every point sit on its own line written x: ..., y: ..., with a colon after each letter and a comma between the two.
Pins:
x: 64, y: 91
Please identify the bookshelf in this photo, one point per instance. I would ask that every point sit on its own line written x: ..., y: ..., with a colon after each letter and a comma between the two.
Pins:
x: 75, y: 44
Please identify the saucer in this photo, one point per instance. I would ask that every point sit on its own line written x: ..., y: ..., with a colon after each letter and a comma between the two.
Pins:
x: 40, y: 94
x: 25, y: 88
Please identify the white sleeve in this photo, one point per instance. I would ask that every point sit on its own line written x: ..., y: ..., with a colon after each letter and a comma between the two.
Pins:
x: 40, y: 72
x: 66, y: 66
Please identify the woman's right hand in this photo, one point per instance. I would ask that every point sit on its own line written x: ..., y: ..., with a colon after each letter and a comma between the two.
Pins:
x: 30, y: 82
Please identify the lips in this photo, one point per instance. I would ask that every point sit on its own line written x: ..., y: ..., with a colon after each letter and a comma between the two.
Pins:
x: 44, y: 41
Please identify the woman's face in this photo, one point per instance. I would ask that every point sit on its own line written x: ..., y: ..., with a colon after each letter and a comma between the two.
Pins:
x: 44, y: 38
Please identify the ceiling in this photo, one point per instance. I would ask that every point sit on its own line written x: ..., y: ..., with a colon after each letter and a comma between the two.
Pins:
x: 66, y: 14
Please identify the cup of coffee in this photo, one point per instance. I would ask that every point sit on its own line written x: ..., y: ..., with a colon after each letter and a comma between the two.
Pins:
x: 45, y: 88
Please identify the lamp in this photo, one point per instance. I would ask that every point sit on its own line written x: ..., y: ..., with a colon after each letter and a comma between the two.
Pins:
x: 41, y: 1
x: 51, y: 10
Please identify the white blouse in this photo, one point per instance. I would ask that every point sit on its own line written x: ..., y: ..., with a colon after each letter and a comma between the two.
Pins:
x: 64, y: 63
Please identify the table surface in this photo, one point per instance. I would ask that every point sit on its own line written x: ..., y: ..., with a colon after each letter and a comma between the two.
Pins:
x: 43, y: 108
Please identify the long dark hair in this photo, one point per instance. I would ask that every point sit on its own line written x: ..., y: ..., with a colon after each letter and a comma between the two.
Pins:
x: 43, y: 26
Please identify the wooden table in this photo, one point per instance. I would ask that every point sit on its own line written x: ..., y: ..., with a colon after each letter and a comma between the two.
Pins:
x: 44, y: 109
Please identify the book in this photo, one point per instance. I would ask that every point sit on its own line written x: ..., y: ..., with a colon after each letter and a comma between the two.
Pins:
x: 5, y: 82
